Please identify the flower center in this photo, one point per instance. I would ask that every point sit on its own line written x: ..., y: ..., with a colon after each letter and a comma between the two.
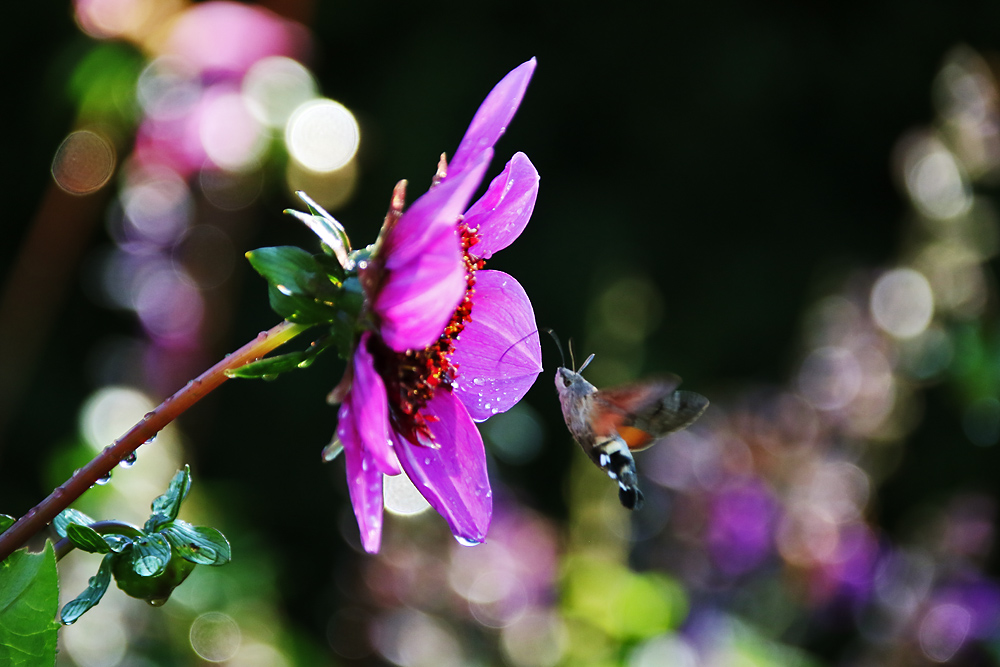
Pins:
x: 412, y: 377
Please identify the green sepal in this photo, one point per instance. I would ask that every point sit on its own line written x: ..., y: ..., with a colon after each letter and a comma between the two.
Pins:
x: 95, y: 590
x: 199, y: 544
x: 6, y: 521
x: 29, y: 599
x: 87, y: 539
x: 166, y: 507
x: 67, y: 517
x: 149, y: 555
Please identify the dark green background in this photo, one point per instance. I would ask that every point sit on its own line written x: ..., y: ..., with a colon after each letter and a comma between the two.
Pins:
x: 736, y: 152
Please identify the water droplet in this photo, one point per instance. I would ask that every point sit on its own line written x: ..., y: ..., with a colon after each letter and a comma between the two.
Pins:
x: 151, y: 439
x: 486, y: 407
x: 104, y: 480
x: 364, y: 464
x: 284, y: 290
x: 427, y: 461
x: 494, y: 411
x: 157, y: 602
x: 465, y: 542
x: 262, y: 335
x: 479, y: 382
x: 128, y: 461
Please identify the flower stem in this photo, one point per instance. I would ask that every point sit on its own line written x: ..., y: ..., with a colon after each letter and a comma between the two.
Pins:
x: 101, y: 465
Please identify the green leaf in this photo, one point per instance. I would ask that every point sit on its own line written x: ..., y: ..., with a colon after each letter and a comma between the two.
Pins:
x: 68, y: 516
x: 166, y: 507
x: 298, y: 308
x: 29, y: 598
x: 273, y: 366
x: 199, y: 544
x: 150, y: 555
x: 6, y: 521
x: 95, y: 590
x: 301, y: 287
x: 289, y: 268
x: 87, y: 539
x: 269, y: 367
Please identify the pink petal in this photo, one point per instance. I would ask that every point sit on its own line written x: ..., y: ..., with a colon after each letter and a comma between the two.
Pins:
x: 364, y: 481
x: 424, y: 273
x: 492, y: 117
x: 498, y: 354
x: 371, y: 409
x: 502, y: 213
x: 452, y: 477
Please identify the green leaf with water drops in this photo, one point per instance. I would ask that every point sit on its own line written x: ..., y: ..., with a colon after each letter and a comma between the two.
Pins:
x: 29, y: 599
x: 87, y: 539
x: 6, y: 521
x: 117, y: 542
x: 149, y: 555
x: 166, y: 506
x: 68, y: 516
x: 154, y: 589
x: 199, y: 544
x: 95, y: 590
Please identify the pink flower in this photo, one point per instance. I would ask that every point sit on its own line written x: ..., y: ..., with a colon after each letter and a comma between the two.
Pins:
x: 448, y: 343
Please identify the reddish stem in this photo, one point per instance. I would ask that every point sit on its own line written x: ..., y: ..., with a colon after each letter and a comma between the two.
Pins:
x: 101, y: 465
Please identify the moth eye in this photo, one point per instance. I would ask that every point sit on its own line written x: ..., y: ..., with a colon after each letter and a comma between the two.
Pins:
x: 567, y: 382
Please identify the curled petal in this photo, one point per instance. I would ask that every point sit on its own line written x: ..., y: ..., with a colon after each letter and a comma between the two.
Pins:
x: 502, y: 213
x: 424, y: 273
x: 452, y: 477
x: 371, y: 409
x: 492, y: 117
x: 499, y: 354
x: 364, y: 481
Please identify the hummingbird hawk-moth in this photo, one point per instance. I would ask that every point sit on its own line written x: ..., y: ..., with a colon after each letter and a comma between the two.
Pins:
x: 612, y: 423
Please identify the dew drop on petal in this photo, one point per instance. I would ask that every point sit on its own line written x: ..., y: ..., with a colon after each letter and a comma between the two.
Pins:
x: 427, y: 461
x: 486, y: 407
x: 466, y: 542
x: 479, y: 382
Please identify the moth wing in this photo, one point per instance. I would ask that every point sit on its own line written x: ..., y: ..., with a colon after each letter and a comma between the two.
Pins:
x: 644, y: 412
x: 616, y: 409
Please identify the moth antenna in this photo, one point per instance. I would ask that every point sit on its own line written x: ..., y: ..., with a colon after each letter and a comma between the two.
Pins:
x: 589, y: 359
x: 518, y: 342
x: 572, y: 360
x: 562, y: 357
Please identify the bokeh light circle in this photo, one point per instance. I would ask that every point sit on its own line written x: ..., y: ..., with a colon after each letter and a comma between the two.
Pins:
x: 322, y: 135
x: 83, y: 163
x: 902, y: 303
x: 215, y: 636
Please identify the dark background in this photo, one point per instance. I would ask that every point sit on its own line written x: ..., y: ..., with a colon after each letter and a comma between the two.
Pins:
x: 737, y: 153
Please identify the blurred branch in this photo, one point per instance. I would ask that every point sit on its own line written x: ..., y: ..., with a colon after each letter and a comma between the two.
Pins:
x: 102, y: 465
x: 34, y: 290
